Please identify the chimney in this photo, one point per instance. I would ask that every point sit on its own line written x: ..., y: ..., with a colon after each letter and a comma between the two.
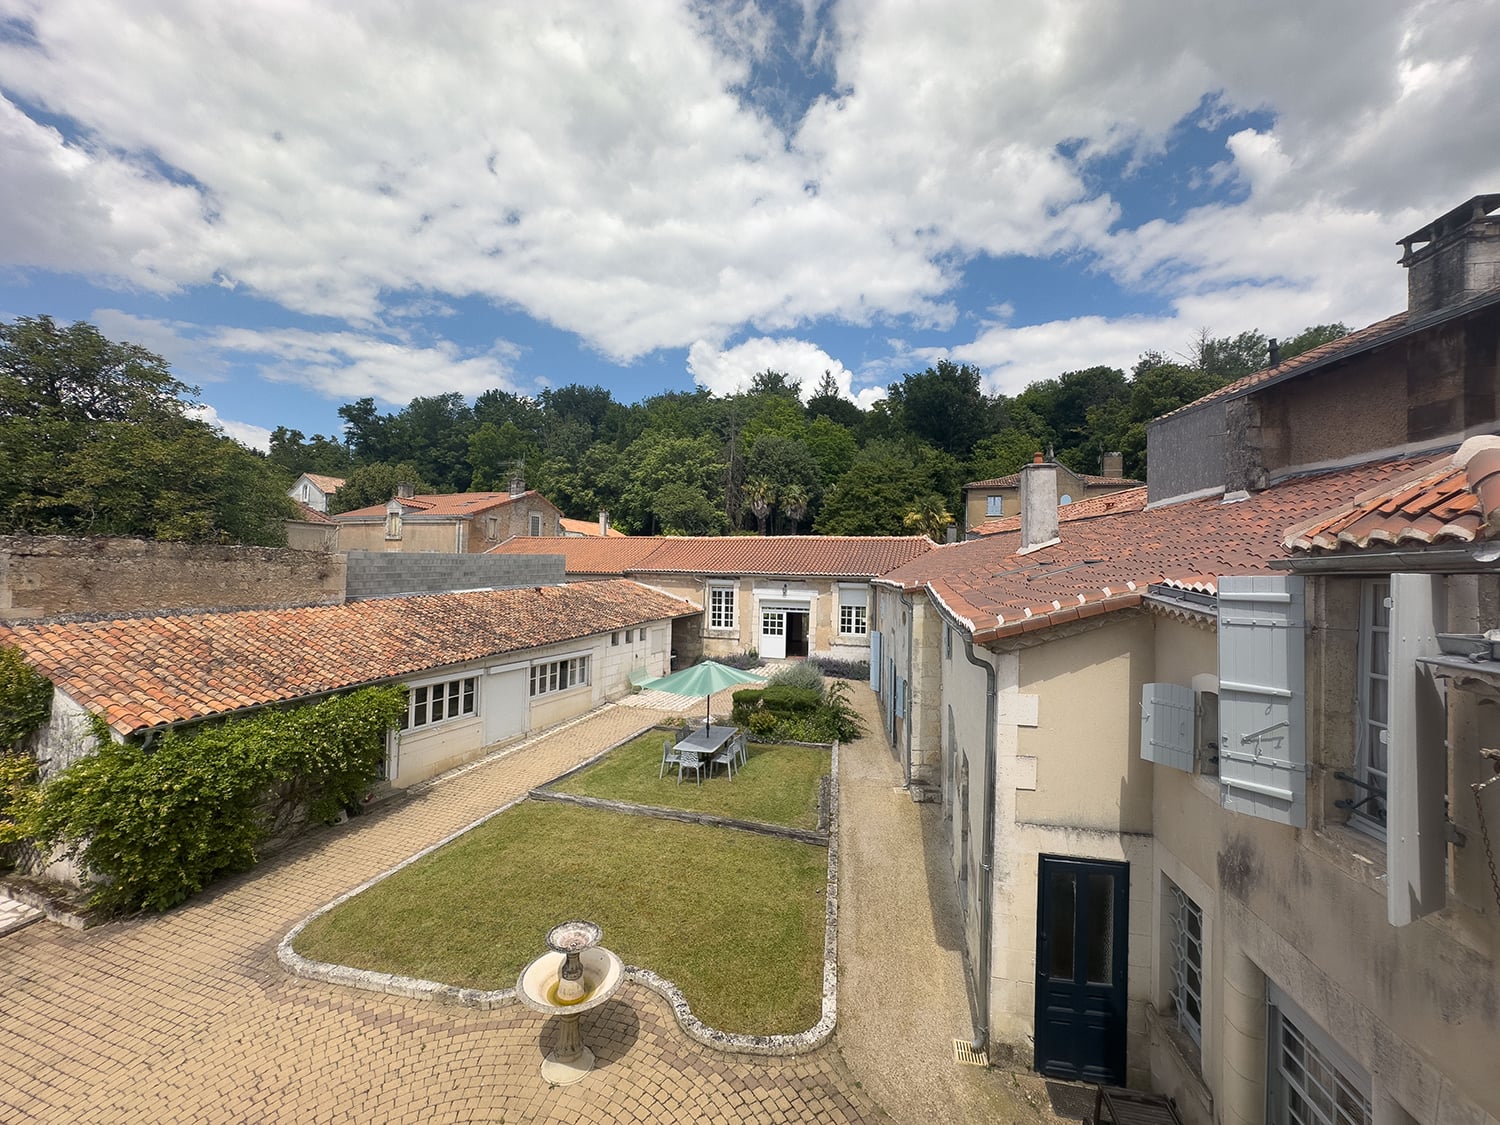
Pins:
x: 1038, y: 505
x: 1111, y: 464
x: 1275, y: 350
x: 950, y: 533
x: 1459, y: 257
x: 603, y: 522
x: 517, y: 485
x: 405, y: 490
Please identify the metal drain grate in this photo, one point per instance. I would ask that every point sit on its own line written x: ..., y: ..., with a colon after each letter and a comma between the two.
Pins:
x: 965, y: 1055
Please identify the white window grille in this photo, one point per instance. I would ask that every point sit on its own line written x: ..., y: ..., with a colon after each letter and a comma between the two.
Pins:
x: 721, y: 607
x: 1371, y: 761
x: 559, y: 675
x: 436, y: 703
x: 1186, y: 937
x: 772, y: 623
x: 1309, y: 1085
x: 854, y: 619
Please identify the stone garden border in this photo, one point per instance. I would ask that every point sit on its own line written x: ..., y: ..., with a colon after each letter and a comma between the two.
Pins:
x: 487, y: 1000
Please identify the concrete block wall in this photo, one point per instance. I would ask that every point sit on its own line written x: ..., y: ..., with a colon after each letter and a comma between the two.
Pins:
x: 381, y: 574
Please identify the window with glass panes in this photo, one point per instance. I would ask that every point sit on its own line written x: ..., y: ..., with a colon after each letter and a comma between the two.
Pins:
x: 435, y: 703
x: 1186, y: 934
x: 852, y: 620
x: 559, y: 675
x: 1308, y: 1086
x: 721, y: 607
x: 1371, y: 763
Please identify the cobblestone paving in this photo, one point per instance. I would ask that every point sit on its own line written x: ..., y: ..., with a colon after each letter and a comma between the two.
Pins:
x: 187, y: 1017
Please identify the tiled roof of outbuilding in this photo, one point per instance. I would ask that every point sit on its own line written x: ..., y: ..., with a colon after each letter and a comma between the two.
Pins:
x: 445, y: 505
x: 145, y: 671
x: 1126, y: 500
x: 587, y: 527
x: 309, y: 514
x: 1455, y: 500
x: 329, y: 485
x: 1102, y: 565
x: 839, y: 556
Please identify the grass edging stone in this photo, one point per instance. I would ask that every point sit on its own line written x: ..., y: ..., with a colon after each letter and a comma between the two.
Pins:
x: 794, y: 1043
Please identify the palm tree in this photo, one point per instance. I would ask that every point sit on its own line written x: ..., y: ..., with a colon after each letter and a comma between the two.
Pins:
x: 929, y: 516
x: 794, y: 500
x: 762, y: 498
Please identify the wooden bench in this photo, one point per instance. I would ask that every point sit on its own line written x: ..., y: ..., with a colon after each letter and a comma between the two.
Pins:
x: 1116, y: 1106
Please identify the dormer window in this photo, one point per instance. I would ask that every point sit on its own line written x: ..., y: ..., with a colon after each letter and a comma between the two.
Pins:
x: 393, y: 520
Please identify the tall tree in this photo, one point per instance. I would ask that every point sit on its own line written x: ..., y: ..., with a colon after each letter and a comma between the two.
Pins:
x: 943, y: 406
x: 826, y: 402
x: 1313, y: 336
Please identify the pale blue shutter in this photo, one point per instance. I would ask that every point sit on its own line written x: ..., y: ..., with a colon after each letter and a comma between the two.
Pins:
x: 1167, y: 725
x: 1416, y: 839
x: 901, y: 698
x: 1262, y: 714
x: 875, y: 661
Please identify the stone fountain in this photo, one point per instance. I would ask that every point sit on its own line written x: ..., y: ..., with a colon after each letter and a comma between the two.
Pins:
x: 575, y: 976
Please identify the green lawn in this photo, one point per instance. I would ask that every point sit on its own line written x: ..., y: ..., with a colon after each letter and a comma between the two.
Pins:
x: 779, y: 784
x: 735, y: 919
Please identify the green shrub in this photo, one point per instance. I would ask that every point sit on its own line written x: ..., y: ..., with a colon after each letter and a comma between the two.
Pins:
x: 804, y: 674
x: 25, y: 698
x: 746, y: 702
x: 762, y: 724
x: 742, y: 660
x: 155, y: 825
x: 786, y: 700
x: 845, y: 669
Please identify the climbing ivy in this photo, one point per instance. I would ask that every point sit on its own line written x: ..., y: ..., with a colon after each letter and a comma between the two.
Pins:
x: 25, y: 698
x: 156, y: 823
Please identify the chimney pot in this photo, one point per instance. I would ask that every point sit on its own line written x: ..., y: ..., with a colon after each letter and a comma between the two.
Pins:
x: 517, y: 485
x: 1036, y: 458
x: 1112, y: 464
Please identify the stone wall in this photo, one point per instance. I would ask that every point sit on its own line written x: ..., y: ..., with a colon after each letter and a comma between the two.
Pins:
x: 383, y: 574
x: 53, y: 576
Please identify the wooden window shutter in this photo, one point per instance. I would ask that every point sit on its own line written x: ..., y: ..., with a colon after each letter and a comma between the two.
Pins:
x: 1416, y: 804
x: 875, y: 661
x: 1262, y: 712
x: 1167, y: 725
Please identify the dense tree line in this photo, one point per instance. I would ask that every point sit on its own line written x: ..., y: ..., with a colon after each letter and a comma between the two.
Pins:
x: 104, y: 444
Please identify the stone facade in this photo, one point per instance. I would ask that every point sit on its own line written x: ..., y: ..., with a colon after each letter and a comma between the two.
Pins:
x: 53, y: 576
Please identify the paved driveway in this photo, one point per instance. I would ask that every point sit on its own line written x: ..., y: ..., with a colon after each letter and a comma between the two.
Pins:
x: 188, y: 1017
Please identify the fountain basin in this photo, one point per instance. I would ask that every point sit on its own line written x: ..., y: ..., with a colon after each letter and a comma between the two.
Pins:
x: 536, y: 987
x: 575, y: 977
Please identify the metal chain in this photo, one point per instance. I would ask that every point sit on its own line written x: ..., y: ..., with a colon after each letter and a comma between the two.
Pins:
x: 1484, y: 831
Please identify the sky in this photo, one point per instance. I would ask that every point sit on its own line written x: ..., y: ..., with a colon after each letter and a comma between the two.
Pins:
x: 299, y: 204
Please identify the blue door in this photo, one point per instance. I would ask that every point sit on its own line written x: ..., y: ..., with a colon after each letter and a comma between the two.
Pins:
x: 1082, y: 927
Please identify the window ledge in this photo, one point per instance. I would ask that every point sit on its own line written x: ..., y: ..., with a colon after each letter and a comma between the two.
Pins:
x: 1163, y: 1030
x: 1358, y: 855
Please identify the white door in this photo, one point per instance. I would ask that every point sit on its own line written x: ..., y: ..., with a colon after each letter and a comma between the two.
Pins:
x: 504, y: 704
x: 773, y: 634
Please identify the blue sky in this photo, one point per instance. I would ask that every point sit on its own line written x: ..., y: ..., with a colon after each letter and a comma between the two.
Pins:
x: 300, y: 205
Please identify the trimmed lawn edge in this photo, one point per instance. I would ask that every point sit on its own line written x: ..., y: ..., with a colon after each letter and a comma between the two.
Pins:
x: 626, y: 808
x: 794, y: 1043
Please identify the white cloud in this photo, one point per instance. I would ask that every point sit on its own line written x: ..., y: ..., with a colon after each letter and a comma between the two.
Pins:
x: 336, y: 365
x: 255, y: 437
x: 728, y: 371
x: 604, y: 170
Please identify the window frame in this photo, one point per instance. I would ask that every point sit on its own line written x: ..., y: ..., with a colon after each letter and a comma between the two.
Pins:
x: 534, y: 525
x: 854, y: 615
x: 393, y: 525
x: 551, y: 677
x: 433, y: 698
x: 994, y: 507
x: 719, y: 592
x: 1185, y: 961
x: 1372, y: 765
x: 1312, y: 1044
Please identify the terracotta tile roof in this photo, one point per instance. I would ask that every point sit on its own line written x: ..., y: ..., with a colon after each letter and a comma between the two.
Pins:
x: 1454, y: 499
x: 141, y: 672
x: 1106, y: 564
x: 309, y: 514
x: 329, y: 485
x: 1014, y: 481
x: 841, y: 556
x: 1126, y: 500
x: 450, y: 505
x: 588, y: 527
x: 1355, y: 341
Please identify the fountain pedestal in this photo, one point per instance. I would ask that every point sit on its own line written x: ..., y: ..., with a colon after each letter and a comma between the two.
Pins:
x: 575, y: 976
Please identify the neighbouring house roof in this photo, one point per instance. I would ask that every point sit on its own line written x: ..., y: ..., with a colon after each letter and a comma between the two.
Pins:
x: 836, y: 556
x: 149, y: 671
x: 329, y: 485
x: 588, y: 527
x: 1126, y: 500
x: 1101, y: 565
x: 1451, y: 500
x: 1014, y: 481
x: 447, y: 506
x: 309, y: 514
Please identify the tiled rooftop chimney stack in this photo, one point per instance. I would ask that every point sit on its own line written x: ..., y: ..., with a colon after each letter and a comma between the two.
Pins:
x: 1038, y: 505
x: 1454, y: 257
x: 603, y: 522
x: 1111, y: 464
x: 517, y: 484
x: 405, y: 490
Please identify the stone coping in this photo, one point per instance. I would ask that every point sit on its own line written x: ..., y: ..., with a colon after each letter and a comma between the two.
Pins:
x: 795, y: 1043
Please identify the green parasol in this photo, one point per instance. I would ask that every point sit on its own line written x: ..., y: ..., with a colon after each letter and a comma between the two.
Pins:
x: 702, y: 679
